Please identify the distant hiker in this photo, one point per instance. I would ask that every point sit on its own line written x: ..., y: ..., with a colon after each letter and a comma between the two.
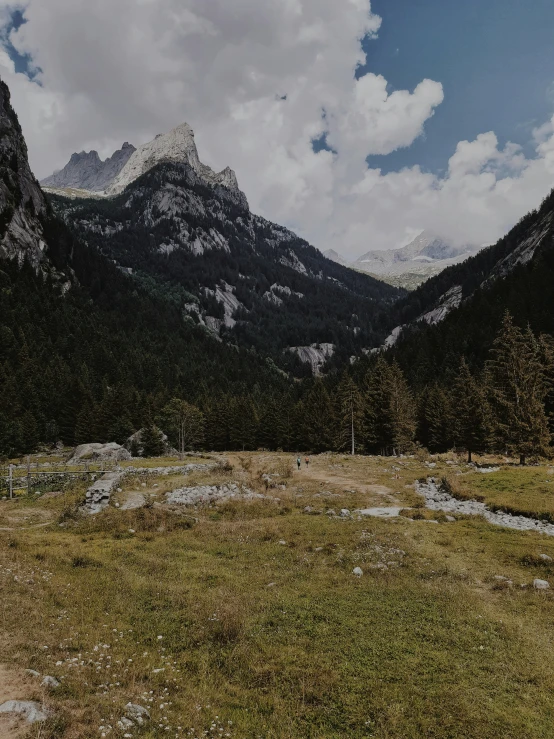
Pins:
x: 298, y: 462
x: 307, y: 461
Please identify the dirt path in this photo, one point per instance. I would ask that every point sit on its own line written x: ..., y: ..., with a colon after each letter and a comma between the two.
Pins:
x: 342, y: 480
x: 14, y: 685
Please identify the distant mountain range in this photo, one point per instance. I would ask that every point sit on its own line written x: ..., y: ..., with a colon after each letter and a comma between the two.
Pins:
x: 409, y: 266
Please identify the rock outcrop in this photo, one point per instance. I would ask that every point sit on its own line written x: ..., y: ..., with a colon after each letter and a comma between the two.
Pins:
x: 86, y: 171
x: 99, y: 453
x: 177, y: 146
x: 23, y: 208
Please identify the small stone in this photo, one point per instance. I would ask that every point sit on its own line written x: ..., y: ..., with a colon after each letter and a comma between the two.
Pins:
x: 117, y: 505
x: 331, y: 512
x: 318, y: 549
x: 136, y: 713
x: 345, y: 513
x: 50, y: 682
x: 357, y: 571
x: 308, y: 509
x: 450, y: 519
x: 143, y: 484
x: 541, y: 585
x: 124, y: 723
x: 283, y: 543
x: 33, y: 673
x: 271, y: 585
x: 119, y: 490
x: 545, y: 557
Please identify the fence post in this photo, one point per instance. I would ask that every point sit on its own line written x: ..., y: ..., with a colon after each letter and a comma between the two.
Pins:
x: 28, y: 475
x: 11, y: 481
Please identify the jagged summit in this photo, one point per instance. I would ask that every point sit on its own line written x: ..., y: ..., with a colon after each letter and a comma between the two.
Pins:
x: 176, y: 146
x: 86, y: 171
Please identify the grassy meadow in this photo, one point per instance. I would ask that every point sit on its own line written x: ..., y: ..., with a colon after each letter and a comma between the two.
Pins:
x: 244, y: 619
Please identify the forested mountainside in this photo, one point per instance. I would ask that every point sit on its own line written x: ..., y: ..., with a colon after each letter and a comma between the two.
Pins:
x: 247, y: 280
x: 459, y: 311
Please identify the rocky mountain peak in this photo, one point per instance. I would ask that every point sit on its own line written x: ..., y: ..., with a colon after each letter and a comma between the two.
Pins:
x: 179, y: 147
x: 86, y: 171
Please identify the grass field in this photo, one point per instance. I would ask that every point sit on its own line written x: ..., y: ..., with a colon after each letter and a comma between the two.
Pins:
x: 245, y: 620
x: 518, y: 490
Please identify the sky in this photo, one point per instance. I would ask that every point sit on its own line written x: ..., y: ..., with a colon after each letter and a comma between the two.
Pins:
x: 356, y: 125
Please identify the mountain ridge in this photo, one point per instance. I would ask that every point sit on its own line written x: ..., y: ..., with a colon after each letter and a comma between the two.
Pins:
x: 86, y: 171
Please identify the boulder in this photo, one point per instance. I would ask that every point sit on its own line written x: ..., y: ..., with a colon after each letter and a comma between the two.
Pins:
x: 32, y: 711
x: 134, y: 444
x: 541, y: 584
x: 99, y: 453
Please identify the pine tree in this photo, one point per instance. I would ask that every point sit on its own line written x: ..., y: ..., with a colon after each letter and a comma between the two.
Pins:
x: 152, y: 441
x: 390, y: 413
x: 377, y: 437
x: 437, y: 419
x: 350, y: 416
x: 317, y: 419
x: 518, y: 389
x: 403, y: 423
x: 471, y: 412
x: 244, y: 424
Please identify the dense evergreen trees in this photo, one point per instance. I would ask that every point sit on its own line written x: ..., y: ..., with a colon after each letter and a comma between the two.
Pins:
x: 81, y: 369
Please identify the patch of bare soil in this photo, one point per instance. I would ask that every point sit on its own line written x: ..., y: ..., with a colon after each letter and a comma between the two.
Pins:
x: 14, y: 685
x: 13, y: 518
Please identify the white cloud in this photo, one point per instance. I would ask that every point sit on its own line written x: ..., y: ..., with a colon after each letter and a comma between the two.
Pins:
x: 258, y: 80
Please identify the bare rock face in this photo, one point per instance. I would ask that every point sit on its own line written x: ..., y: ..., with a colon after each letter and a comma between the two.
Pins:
x: 99, y: 453
x: 23, y: 207
x: 86, y: 171
x: 316, y: 355
x: 179, y: 147
x: 30, y: 710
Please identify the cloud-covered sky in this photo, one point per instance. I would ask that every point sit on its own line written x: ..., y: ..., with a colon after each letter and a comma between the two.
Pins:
x: 260, y: 81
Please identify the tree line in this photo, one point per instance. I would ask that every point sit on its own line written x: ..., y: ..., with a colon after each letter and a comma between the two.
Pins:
x: 504, y: 408
x: 109, y: 359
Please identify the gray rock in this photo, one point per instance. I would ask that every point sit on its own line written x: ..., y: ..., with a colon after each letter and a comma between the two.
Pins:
x: 206, y: 494
x: 125, y: 723
x: 436, y: 499
x: 99, y: 494
x: 22, y: 202
x: 32, y: 711
x: 86, y: 171
x: 50, y: 682
x: 388, y: 512
x: 357, y: 571
x: 135, y: 442
x: 95, y: 452
x: 136, y: 713
x: 541, y: 585
x: 33, y: 673
x: 545, y: 557
x: 345, y: 513
x: 450, y: 519
x: 331, y: 512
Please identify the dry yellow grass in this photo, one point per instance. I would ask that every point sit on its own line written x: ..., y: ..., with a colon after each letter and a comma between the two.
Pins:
x: 221, y: 624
